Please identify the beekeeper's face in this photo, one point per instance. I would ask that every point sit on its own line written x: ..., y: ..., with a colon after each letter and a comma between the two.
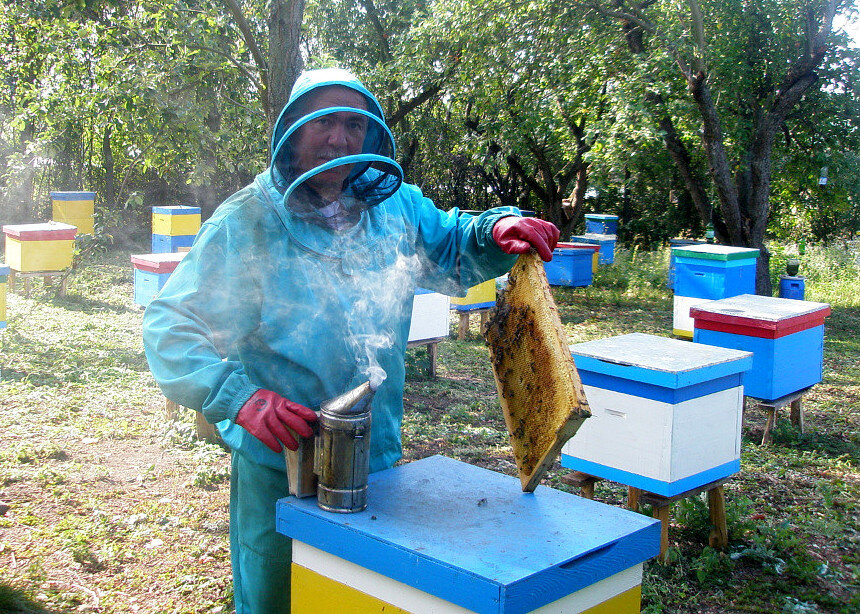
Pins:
x: 330, y: 136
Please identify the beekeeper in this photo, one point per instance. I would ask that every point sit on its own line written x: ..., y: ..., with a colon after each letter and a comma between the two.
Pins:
x: 299, y: 288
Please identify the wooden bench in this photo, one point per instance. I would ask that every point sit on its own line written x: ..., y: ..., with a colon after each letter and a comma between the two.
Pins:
x: 26, y: 276
x: 794, y: 400
x: 661, y: 506
x: 463, y: 327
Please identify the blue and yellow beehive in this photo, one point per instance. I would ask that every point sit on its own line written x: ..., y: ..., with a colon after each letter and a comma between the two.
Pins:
x: 174, y: 227
x: 708, y: 273
x: 75, y: 208
x: 786, y: 337
x: 665, y: 413
x: 150, y: 274
x: 4, y: 275
x: 440, y: 535
x: 481, y: 296
x: 48, y: 246
x: 606, y: 255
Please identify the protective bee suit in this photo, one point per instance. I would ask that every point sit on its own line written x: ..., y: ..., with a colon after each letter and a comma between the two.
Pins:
x: 285, y: 291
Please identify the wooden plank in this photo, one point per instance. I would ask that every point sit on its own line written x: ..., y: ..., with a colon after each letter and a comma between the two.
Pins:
x: 719, y: 537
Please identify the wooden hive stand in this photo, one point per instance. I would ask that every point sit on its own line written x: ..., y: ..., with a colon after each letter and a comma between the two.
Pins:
x: 26, y: 276
x: 661, y: 506
x: 795, y: 402
x: 432, y: 352
x: 463, y: 328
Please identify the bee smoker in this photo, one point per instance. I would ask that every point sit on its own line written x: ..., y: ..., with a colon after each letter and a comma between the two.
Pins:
x: 340, y: 452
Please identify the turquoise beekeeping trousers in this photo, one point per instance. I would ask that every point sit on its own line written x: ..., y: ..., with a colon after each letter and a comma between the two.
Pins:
x: 260, y: 556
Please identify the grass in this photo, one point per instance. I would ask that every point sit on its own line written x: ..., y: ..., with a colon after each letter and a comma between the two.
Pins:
x: 107, y: 505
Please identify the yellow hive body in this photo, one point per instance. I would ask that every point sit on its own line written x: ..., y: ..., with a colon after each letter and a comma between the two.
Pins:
x: 175, y: 225
x: 2, y: 301
x: 482, y: 293
x: 539, y: 388
x: 75, y: 212
x: 27, y: 256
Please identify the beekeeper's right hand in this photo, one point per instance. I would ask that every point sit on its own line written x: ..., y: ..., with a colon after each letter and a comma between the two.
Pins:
x: 268, y: 416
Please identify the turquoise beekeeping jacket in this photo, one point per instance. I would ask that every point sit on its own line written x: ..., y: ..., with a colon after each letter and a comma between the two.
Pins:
x: 267, y: 299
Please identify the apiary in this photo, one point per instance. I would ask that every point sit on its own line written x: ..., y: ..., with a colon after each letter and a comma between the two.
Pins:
x: 174, y: 228
x: 571, y: 265
x: 706, y: 273
x: 75, y: 208
x: 606, y: 255
x: 443, y: 536
x: 480, y: 296
x: 601, y: 224
x: 48, y: 246
x: 151, y: 272
x: 4, y: 276
x: 786, y: 337
x: 666, y: 414
x: 430, y: 316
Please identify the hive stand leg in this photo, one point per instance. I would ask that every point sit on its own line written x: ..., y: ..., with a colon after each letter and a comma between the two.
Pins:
x: 797, y: 414
x: 661, y: 513
x: 171, y: 410
x: 464, y: 325
x: 26, y: 287
x: 432, y: 352
x: 633, y: 494
x: 485, y: 316
x: 205, y: 431
x: 768, y: 425
x: 10, y: 281
x: 583, y: 481
x: 719, y: 537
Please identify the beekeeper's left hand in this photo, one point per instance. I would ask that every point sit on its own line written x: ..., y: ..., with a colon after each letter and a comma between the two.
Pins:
x: 517, y: 235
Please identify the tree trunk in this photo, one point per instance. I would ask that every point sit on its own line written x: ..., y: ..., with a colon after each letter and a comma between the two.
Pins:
x: 285, y: 59
x: 109, y: 197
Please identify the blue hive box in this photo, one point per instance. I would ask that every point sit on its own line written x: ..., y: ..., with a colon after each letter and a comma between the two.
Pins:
x: 166, y: 244
x: 440, y: 535
x: 666, y: 414
x: 670, y: 282
x: 151, y: 272
x: 706, y: 273
x: 606, y: 243
x: 601, y: 224
x: 786, y: 337
x: 569, y: 267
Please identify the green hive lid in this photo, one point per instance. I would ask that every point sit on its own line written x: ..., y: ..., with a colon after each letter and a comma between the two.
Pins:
x: 715, y: 252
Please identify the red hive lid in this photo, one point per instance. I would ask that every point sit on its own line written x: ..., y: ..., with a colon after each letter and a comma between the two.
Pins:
x: 47, y: 231
x: 157, y: 263
x: 759, y: 316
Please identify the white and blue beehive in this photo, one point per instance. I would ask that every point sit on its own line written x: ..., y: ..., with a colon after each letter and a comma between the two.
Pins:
x: 570, y: 265
x: 430, y: 316
x: 151, y: 272
x: 4, y: 275
x: 786, y: 337
x: 601, y: 223
x: 174, y: 228
x: 606, y: 255
x: 442, y: 536
x: 666, y: 414
x: 707, y: 273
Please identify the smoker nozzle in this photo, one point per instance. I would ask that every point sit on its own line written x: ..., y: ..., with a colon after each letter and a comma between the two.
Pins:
x: 352, y: 403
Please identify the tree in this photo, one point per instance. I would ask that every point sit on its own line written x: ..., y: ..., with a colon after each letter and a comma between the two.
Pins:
x: 743, y: 87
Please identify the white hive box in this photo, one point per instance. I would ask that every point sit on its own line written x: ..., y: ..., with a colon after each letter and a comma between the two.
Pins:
x: 666, y: 414
x: 430, y: 316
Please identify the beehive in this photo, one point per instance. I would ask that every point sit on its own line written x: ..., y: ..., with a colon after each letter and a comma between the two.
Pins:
x: 480, y: 296
x: 74, y: 208
x: 4, y: 275
x: 151, y: 272
x: 786, y: 337
x: 537, y: 382
x: 571, y: 265
x: 706, y: 273
x: 174, y: 228
x: 430, y: 316
x: 606, y: 255
x: 443, y: 536
x: 601, y: 224
x: 48, y: 246
x: 666, y: 413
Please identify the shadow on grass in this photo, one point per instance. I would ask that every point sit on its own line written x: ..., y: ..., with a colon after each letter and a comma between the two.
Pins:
x: 15, y: 601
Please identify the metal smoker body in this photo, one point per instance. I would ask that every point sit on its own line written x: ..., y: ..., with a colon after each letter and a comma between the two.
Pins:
x: 342, y: 451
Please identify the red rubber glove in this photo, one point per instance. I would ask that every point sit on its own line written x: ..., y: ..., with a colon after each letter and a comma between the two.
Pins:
x: 517, y: 235
x: 268, y: 416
